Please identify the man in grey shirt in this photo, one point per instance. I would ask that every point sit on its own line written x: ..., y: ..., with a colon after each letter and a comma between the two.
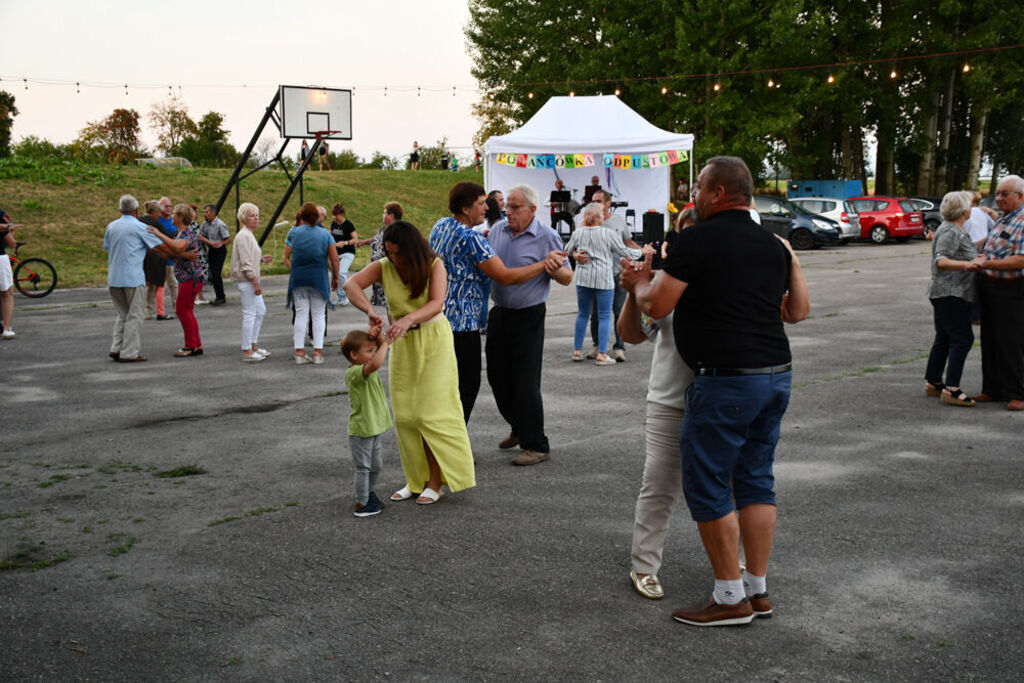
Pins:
x: 214, y: 234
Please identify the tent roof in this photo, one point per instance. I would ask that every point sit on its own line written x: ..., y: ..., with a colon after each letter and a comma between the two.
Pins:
x: 597, y: 123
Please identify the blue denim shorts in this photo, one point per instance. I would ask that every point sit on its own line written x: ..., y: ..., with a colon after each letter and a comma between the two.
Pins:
x: 728, y: 441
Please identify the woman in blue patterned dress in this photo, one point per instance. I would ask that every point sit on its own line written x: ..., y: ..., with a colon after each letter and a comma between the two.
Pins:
x: 471, y: 264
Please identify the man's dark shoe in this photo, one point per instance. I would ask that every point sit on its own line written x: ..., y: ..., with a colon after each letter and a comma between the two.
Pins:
x: 762, y: 606
x: 982, y: 398
x: 510, y: 441
x: 115, y: 355
x: 710, y: 613
x: 137, y: 359
x: 218, y: 302
x: 529, y: 458
x: 165, y: 317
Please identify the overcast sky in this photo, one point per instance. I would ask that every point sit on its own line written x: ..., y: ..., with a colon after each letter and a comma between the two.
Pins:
x: 213, y: 48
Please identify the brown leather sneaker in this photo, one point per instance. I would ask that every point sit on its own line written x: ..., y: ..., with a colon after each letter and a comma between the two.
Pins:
x: 982, y: 398
x: 762, y: 606
x: 710, y: 613
x: 529, y: 458
x: 510, y: 441
x: 1015, y: 404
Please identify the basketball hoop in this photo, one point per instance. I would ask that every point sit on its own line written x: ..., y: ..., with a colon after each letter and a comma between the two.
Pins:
x: 321, y: 134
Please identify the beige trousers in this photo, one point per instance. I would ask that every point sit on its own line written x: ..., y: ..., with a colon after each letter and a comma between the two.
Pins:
x: 661, y: 489
x: 130, y: 304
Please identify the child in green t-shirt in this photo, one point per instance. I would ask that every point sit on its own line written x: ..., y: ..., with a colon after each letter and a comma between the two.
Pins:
x: 370, y: 416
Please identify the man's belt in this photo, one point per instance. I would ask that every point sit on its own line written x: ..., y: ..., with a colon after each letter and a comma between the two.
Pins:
x: 734, y: 372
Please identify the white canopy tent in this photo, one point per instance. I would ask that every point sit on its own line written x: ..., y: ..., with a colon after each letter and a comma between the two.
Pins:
x: 600, y: 129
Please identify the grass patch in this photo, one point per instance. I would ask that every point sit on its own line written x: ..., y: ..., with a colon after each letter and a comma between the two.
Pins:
x: 223, y: 521
x: 129, y: 541
x: 231, y: 661
x: 73, y: 241
x: 138, y: 520
x: 118, y: 466
x: 30, y: 557
x: 55, y: 479
x: 20, y: 514
x: 66, y: 520
x: 183, y: 471
x: 111, y: 577
x: 259, y: 511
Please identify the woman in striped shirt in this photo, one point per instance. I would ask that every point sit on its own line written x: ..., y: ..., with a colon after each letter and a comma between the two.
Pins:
x: 595, y: 278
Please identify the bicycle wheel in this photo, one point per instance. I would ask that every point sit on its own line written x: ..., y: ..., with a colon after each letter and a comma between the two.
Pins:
x: 35, y: 277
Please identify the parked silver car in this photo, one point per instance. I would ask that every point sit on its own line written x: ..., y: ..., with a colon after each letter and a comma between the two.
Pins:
x: 839, y: 210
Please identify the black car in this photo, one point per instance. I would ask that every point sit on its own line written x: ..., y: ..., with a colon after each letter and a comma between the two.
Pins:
x: 803, y: 229
x: 929, y: 208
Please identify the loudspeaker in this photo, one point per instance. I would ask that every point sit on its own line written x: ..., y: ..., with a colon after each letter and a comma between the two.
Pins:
x: 654, y: 227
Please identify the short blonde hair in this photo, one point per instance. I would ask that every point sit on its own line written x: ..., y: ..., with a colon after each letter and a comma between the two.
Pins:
x: 245, y: 209
x: 593, y: 213
x: 955, y: 204
x: 185, y: 213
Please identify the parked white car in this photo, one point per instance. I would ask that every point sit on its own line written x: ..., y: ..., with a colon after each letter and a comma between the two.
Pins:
x: 839, y: 210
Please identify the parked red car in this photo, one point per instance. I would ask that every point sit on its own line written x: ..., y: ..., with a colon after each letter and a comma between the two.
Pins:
x: 885, y: 217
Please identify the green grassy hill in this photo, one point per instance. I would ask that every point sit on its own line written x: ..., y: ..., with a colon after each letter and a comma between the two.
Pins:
x: 64, y: 208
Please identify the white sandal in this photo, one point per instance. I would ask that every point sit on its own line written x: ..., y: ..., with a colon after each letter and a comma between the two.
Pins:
x: 430, y: 495
x: 401, y: 494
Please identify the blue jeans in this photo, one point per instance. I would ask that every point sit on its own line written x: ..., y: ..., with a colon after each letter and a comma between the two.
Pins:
x: 585, y: 298
x: 730, y: 429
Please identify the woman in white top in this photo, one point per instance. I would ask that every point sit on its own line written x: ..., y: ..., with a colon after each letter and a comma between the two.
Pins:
x: 246, y: 257
x: 595, y: 279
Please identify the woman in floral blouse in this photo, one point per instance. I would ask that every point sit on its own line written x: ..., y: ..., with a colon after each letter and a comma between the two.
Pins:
x: 190, y: 271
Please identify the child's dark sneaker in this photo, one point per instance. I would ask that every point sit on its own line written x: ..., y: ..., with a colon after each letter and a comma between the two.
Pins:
x: 372, y: 507
x: 374, y: 499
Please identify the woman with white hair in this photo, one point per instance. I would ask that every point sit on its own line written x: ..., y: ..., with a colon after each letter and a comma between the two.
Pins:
x: 595, y: 279
x: 246, y: 257
x: 951, y: 291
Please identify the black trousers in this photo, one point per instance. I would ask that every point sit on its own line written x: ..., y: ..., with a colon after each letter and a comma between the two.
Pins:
x: 467, y: 357
x: 1002, y: 338
x: 216, y: 256
x: 515, y: 352
x: 953, y: 340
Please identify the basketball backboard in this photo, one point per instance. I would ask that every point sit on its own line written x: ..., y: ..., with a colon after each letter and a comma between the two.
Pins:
x: 306, y: 110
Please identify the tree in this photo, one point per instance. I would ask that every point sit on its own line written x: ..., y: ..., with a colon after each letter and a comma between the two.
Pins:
x: 209, y: 145
x: 172, y: 124
x: 115, y: 138
x: 7, y: 113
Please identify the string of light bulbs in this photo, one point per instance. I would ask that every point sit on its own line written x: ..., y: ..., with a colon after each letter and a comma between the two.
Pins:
x: 571, y: 85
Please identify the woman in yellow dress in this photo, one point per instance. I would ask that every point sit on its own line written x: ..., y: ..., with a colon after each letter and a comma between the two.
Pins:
x: 422, y: 374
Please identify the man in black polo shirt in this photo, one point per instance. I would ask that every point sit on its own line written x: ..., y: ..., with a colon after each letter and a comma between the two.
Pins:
x: 732, y: 284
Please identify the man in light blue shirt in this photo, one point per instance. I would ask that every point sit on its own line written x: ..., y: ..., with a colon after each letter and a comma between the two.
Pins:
x: 126, y: 241
x: 515, y: 327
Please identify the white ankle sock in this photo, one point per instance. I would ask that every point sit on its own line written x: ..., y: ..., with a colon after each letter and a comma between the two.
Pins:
x: 729, y: 592
x: 754, y: 585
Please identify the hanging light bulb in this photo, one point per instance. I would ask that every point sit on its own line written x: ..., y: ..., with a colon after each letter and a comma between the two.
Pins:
x: 617, y: 92
x: 967, y: 67
x: 453, y: 91
x: 771, y: 83
x: 530, y: 95
x: 892, y: 74
x: 717, y: 87
x: 831, y: 79
x: 417, y: 91
x: 491, y: 95
x: 126, y: 90
x: 385, y: 91
x: 78, y: 90
x: 572, y: 93
x: 26, y: 83
x: 664, y: 90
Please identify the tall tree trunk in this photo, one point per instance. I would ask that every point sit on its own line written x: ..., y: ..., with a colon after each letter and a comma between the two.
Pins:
x: 941, y: 178
x: 995, y: 175
x: 884, y: 157
x: 846, y: 146
x: 926, y: 170
x: 858, y: 160
x: 977, y: 142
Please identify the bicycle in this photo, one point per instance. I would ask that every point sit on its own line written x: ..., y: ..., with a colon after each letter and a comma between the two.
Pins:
x: 34, y: 277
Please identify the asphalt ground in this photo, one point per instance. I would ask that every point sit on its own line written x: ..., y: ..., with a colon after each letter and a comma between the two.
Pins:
x: 897, y: 555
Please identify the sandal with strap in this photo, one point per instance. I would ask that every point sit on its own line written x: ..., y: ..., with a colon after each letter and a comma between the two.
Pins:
x: 933, y: 389
x: 959, y: 398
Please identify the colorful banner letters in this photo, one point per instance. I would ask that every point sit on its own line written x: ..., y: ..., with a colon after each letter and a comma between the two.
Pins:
x: 607, y: 160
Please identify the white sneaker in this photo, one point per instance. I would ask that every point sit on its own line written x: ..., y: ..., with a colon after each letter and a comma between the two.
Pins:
x: 8, y: 334
x: 261, y: 352
x: 317, y: 360
x: 302, y: 360
x: 200, y: 302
